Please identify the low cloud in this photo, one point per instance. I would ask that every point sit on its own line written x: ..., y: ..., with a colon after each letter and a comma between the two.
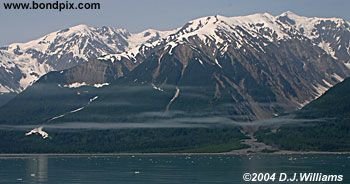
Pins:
x: 170, y: 122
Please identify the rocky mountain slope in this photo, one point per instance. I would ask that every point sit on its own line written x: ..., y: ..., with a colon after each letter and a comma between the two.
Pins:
x: 23, y: 63
x: 241, y: 68
x: 322, y: 125
x: 333, y: 104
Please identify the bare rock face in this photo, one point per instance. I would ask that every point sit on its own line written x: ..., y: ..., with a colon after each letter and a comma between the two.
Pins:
x: 240, y: 68
x: 24, y: 63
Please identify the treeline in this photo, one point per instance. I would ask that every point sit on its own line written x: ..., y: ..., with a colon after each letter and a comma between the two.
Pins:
x: 123, y: 140
x: 331, y: 135
x: 329, y: 129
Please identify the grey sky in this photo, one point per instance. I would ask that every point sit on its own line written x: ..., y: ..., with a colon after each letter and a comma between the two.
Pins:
x: 138, y: 15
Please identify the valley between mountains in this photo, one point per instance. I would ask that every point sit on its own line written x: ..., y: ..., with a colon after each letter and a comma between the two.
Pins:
x: 208, y: 86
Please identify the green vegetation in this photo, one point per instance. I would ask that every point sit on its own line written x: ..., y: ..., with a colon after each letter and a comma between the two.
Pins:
x: 330, y: 130
x: 335, y: 103
x: 319, y: 136
x: 124, y: 140
x: 217, y: 148
x: 6, y: 97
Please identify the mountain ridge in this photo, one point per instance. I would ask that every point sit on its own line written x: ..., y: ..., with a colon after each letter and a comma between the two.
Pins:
x: 205, y: 82
x: 61, y: 50
x: 120, y: 40
x: 244, y: 68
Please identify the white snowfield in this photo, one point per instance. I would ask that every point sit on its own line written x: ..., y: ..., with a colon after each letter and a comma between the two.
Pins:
x: 73, y: 111
x: 157, y: 88
x: 38, y: 131
x: 32, y: 58
x: 81, y: 84
x: 31, y: 69
x: 223, y: 31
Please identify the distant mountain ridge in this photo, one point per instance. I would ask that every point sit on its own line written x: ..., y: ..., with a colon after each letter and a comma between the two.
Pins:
x: 220, y: 35
x: 23, y: 63
x: 242, y: 68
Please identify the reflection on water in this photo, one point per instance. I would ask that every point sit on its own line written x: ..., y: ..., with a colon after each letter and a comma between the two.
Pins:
x: 37, y: 168
x: 156, y: 169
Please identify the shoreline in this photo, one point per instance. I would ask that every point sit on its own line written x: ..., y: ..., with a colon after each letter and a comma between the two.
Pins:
x: 233, y: 153
x: 254, y: 148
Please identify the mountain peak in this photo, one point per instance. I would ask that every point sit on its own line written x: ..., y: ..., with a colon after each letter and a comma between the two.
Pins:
x: 67, y: 47
x: 289, y: 14
x: 80, y: 27
x: 294, y: 16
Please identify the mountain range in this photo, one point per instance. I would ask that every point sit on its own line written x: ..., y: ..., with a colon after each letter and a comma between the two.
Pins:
x: 213, y: 70
x: 24, y: 63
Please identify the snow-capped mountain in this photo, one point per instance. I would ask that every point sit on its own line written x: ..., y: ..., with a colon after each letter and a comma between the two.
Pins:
x: 298, y: 58
x: 214, y: 36
x: 23, y: 63
x: 244, y: 68
x: 330, y: 34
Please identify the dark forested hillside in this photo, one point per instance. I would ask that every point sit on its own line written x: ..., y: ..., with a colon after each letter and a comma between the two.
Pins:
x: 329, y: 130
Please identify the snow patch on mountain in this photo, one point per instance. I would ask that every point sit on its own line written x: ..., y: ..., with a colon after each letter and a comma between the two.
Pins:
x: 130, y: 54
x: 347, y: 65
x: 220, y: 29
x: 336, y: 76
x: 320, y: 90
x: 38, y: 131
x: 75, y: 85
x: 177, y: 93
x: 56, y: 117
x: 326, y: 47
x: 32, y: 71
x: 156, y: 88
x: 68, y: 47
x: 5, y: 89
x: 101, y: 85
x: 327, y: 83
x: 93, y: 99
x: 71, y: 40
x: 81, y: 84
x: 77, y: 110
x: 73, y: 111
x: 147, y: 36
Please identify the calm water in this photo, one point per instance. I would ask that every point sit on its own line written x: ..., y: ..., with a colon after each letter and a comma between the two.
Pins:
x: 161, y: 169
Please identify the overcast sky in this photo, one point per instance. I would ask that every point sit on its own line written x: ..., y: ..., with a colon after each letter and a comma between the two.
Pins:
x: 138, y: 15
